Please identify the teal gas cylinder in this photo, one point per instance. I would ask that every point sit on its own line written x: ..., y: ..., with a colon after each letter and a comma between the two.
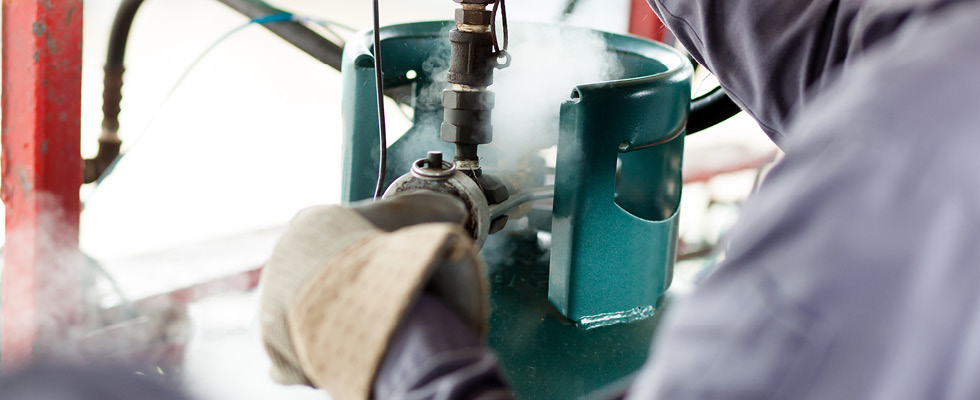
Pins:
x: 575, y: 315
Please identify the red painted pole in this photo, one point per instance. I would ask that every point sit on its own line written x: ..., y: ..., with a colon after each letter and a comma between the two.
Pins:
x: 42, y: 173
x: 643, y: 22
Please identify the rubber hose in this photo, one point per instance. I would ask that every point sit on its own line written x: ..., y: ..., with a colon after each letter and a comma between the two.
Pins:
x: 109, y: 143
x: 710, y: 109
x: 295, y: 33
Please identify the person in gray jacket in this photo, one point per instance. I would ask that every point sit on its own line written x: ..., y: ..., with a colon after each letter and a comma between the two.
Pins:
x: 854, y: 272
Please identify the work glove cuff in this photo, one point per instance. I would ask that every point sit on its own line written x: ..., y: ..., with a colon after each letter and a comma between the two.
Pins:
x: 353, y: 297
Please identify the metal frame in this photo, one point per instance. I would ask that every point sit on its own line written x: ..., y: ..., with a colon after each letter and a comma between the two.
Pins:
x: 42, y: 173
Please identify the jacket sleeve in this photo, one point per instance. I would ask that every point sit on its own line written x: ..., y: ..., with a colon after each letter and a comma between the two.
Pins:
x: 435, y: 356
x: 770, y: 55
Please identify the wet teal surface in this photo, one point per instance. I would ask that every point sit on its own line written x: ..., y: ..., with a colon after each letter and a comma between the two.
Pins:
x: 546, y: 356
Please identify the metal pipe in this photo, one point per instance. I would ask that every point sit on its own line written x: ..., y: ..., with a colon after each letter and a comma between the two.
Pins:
x: 519, y: 198
x: 293, y: 32
x: 40, y: 299
x: 469, y: 103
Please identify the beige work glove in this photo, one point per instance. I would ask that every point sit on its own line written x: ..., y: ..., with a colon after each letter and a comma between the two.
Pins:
x: 341, y: 279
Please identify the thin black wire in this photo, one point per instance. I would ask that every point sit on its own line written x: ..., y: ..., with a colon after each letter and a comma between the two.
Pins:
x: 569, y: 9
x: 383, y: 163
x: 493, y: 26
x: 503, y: 20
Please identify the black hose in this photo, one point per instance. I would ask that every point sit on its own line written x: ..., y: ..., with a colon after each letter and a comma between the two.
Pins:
x: 120, y: 31
x: 109, y: 143
x: 293, y: 32
x: 710, y: 109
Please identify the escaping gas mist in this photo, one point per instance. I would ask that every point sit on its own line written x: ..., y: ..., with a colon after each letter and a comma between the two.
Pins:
x: 71, y: 309
x: 548, y: 62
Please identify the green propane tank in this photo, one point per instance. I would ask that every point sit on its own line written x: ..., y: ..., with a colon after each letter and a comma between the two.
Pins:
x: 576, y: 314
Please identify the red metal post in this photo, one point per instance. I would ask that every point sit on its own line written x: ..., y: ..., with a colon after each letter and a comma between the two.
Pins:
x: 643, y: 22
x: 42, y: 173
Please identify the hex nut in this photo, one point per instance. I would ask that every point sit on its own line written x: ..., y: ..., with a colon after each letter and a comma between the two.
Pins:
x: 464, y: 135
x: 498, y: 224
x: 495, y: 191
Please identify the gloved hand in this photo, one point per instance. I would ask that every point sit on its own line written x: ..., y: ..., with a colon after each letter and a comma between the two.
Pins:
x: 341, y: 279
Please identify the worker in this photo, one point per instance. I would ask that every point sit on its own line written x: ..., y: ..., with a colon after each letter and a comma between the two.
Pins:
x: 852, y: 273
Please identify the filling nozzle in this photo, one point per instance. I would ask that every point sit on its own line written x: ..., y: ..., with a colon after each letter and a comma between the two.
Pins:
x: 488, y: 199
x: 468, y: 103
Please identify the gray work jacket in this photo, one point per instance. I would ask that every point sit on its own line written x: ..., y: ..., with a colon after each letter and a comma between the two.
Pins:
x: 854, y: 273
